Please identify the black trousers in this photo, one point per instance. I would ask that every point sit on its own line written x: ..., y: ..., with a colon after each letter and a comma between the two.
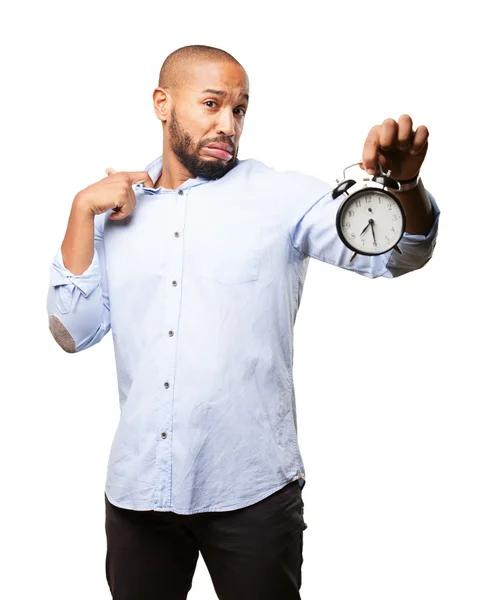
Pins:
x: 252, y: 553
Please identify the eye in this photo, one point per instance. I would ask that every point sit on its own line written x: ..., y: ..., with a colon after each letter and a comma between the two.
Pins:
x: 213, y: 102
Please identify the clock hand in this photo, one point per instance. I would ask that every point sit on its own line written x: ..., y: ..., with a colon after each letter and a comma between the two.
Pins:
x: 365, y: 228
x: 372, y: 229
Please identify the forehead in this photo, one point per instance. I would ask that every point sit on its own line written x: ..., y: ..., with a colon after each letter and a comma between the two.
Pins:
x: 217, y: 76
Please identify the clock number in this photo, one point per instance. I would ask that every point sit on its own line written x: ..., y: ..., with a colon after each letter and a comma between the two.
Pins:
x: 350, y: 213
x: 393, y: 229
x: 348, y: 224
x: 358, y: 203
x: 395, y: 217
x: 387, y: 239
x: 353, y: 236
x: 390, y: 205
x: 362, y: 242
x: 379, y: 200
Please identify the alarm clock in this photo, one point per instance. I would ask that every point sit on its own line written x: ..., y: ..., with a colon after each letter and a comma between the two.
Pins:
x: 370, y: 220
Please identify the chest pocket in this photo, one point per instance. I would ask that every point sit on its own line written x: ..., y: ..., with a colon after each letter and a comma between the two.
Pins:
x: 230, y: 255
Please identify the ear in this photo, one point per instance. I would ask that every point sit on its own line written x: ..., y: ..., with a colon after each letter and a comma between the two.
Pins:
x: 162, y: 103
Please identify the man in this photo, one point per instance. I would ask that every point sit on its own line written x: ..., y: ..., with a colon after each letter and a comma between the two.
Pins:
x: 197, y: 265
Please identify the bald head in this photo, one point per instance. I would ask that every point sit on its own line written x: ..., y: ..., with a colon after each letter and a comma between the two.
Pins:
x: 180, y: 64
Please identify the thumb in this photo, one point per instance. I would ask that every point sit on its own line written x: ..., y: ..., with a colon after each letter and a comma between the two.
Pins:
x: 110, y: 171
x: 140, y: 177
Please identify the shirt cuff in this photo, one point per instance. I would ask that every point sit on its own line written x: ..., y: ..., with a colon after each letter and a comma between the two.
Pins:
x: 86, y: 282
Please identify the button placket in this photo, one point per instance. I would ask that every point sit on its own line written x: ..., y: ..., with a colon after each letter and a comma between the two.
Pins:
x: 172, y: 317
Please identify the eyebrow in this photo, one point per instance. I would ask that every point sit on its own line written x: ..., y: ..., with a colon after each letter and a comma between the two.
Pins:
x: 222, y: 93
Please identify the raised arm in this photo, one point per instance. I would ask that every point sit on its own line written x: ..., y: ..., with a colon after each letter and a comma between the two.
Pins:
x: 78, y: 302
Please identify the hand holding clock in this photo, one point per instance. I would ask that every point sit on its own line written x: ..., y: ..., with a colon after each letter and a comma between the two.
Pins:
x: 393, y: 152
x: 396, y: 147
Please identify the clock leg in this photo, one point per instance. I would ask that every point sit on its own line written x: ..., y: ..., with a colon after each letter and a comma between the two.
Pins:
x: 352, y: 256
x: 398, y: 250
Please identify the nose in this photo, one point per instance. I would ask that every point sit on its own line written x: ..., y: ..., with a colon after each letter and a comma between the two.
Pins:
x: 226, y: 123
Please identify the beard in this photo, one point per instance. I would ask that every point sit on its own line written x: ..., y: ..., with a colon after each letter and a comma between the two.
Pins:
x: 183, y: 147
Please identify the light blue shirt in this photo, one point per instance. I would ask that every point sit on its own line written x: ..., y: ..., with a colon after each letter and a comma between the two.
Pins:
x: 200, y: 287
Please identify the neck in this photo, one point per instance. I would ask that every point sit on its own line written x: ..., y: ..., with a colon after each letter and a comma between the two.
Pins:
x: 173, y: 173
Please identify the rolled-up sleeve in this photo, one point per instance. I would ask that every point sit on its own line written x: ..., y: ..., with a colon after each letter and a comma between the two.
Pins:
x: 78, y: 305
x: 417, y: 249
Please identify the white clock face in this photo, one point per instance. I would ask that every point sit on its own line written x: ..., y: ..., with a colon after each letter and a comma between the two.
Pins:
x: 371, y: 221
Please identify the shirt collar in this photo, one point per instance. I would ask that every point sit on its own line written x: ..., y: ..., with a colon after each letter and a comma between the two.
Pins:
x: 155, y: 168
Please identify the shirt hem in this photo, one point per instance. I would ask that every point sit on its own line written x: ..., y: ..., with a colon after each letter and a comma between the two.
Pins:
x: 181, y: 511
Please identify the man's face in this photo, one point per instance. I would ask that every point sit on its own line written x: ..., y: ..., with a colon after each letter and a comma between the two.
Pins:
x: 202, y: 118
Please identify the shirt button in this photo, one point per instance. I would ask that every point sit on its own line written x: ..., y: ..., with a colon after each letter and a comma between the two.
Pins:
x: 177, y: 234
x: 174, y: 283
x: 170, y: 333
x: 166, y: 384
x: 163, y: 435
x: 180, y: 192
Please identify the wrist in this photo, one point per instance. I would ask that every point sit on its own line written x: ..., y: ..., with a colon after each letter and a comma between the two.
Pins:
x: 408, y: 184
x: 81, y: 205
x: 410, y: 180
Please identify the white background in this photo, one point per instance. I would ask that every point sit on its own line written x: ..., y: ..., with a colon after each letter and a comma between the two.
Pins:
x: 388, y: 423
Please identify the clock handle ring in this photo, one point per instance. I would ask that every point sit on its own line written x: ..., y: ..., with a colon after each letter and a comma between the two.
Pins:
x: 344, y: 171
x: 358, y: 163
